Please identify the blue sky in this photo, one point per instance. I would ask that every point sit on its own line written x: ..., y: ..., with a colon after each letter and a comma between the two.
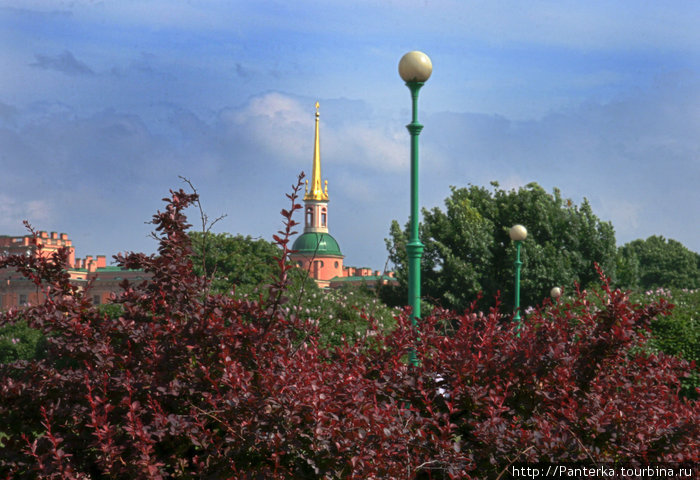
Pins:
x: 104, y: 104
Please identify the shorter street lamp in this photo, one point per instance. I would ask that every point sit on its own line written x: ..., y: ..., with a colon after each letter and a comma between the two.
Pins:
x: 555, y: 293
x: 518, y: 234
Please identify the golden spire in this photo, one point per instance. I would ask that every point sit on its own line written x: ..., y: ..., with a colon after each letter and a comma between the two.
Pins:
x: 317, y: 192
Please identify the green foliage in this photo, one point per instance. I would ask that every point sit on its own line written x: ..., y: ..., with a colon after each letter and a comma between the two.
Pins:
x: 112, y: 310
x: 20, y: 342
x: 342, y: 313
x: 677, y: 333
x: 231, y: 261
x: 468, y: 249
x: 657, y: 262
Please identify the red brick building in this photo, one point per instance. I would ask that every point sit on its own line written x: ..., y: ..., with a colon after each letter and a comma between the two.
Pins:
x: 16, y: 290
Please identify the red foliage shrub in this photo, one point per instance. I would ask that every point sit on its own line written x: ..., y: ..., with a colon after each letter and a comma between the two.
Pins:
x: 190, y: 385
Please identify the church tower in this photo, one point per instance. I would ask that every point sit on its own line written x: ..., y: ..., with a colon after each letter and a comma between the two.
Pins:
x: 317, y: 251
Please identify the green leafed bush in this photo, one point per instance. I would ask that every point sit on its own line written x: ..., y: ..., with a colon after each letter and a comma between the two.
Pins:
x: 678, y: 332
x: 20, y: 342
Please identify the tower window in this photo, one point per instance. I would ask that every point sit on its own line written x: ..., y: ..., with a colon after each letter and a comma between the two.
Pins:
x: 309, y: 216
x: 323, y: 217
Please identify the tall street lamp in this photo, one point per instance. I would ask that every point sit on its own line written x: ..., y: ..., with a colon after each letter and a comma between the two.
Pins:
x: 414, y: 68
x: 518, y: 234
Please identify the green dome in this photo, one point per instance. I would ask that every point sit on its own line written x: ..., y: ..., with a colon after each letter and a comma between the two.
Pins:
x: 318, y: 244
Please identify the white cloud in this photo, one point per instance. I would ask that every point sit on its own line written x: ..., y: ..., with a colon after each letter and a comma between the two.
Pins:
x: 13, y: 212
x: 282, y: 127
x: 356, y: 145
x: 273, y: 124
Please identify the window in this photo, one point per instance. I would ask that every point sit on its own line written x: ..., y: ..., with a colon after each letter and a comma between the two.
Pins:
x: 309, y: 216
x: 95, y: 299
x: 336, y: 264
x: 23, y: 299
x: 323, y: 217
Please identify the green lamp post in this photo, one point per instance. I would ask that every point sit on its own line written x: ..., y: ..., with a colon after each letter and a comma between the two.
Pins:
x: 415, y: 69
x: 518, y: 234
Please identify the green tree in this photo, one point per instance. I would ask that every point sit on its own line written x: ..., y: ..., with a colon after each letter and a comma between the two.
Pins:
x: 468, y: 249
x: 230, y: 261
x: 657, y: 262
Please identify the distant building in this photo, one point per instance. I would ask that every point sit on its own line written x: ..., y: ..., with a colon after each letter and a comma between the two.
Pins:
x: 363, y: 276
x: 16, y: 290
x: 316, y: 249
